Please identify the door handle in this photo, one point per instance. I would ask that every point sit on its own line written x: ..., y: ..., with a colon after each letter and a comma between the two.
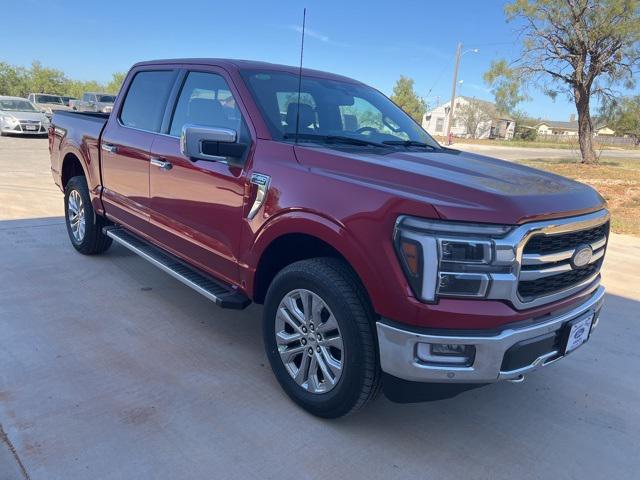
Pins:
x: 161, y: 163
x: 108, y: 147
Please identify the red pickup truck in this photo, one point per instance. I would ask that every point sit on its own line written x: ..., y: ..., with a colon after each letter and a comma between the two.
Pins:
x: 383, y: 259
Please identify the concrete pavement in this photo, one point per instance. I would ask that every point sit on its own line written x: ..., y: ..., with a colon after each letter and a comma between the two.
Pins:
x: 110, y: 369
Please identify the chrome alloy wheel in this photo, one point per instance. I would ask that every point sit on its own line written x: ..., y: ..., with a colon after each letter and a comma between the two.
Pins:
x: 75, y: 212
x: 309, y: 341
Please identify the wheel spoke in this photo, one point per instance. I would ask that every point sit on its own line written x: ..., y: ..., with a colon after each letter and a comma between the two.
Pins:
x: 329, y: 371
x: 292, y: 307
x: 288, y: 355
x: 330, y: 325
x: 332, y: 363
x: 332, y: 342
x: 302, y: 375
x: 290, y: 319
x: 284, y: 338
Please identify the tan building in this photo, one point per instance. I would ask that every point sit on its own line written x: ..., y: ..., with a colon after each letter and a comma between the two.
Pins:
x: 553, y: 127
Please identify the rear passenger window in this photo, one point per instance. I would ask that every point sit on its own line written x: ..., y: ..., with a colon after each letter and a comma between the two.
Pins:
x: 206, y: 100
x: 146, y: 100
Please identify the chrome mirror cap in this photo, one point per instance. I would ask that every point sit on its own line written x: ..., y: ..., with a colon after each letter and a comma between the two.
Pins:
x: 193, y: 137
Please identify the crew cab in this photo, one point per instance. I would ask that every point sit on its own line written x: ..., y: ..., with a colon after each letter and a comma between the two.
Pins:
x: 383, y: 259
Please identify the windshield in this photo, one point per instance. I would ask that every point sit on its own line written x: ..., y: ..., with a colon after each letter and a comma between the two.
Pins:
x: 106, y: 98
x: 49, y: 99
x: 17, y: 106
x: 331, y: 109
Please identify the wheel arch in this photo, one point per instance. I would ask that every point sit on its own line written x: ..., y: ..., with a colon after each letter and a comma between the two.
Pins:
x: 299, y: 236
x: 71, y: 167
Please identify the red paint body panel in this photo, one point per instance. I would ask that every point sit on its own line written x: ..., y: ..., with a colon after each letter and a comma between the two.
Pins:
x: 349, y: 200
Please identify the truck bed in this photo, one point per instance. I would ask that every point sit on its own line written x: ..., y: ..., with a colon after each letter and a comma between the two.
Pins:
x: 77, y: 128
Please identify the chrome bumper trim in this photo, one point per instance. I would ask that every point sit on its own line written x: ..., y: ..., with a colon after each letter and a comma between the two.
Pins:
x: 398, y: 350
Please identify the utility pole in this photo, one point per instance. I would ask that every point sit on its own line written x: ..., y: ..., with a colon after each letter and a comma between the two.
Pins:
x: 453, y: 89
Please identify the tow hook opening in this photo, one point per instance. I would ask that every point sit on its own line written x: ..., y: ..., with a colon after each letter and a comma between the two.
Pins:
x: 518, y: 379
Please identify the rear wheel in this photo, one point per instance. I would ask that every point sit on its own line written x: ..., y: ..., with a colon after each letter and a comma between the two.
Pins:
x: 84, y: 226
x: 319, y: 338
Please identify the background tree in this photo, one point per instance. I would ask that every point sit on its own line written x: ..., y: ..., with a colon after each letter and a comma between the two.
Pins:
x: 525, y: 125
x: 623, y: 116
x: 583, y: 48
x: 472, y: 115
x: 116, y: 82
x: 45, y: 80
x: 14, y: 81
x: 407, y: 99
x: 19, y: 81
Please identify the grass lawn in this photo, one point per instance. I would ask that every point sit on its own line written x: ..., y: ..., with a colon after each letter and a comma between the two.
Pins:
x: 617, y: 180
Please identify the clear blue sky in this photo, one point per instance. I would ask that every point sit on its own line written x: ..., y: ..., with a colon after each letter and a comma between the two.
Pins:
x: 372, y: 41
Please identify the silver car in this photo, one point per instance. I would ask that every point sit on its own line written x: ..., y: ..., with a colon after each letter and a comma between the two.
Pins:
x: 21, y: 117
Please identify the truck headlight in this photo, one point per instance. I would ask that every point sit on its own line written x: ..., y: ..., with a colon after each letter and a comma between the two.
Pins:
x: 443, y: 258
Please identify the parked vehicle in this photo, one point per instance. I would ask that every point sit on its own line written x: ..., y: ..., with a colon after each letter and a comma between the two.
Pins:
x: 21, y: 117
x: 382, y: 258
x: 95, y: 102
x: 47, y: 103
x: 67, y: 100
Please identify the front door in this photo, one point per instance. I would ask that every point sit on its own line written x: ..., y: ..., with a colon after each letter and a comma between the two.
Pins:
x: 197, y: 206
x: 126, y: 144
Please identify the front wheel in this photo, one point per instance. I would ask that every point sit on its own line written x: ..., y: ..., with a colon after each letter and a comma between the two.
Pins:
x: 84, y: 226
x: 319, y: 338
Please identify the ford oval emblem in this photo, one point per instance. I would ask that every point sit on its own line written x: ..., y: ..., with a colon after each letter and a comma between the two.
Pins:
x: 582, y: 256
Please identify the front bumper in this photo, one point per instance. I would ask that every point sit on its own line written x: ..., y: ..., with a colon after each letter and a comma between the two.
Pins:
x: 492, y: 362
x: 21, y: 130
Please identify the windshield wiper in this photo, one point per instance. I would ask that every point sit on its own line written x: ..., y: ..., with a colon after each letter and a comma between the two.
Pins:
x: 408, y: 143
x: 334, y: 139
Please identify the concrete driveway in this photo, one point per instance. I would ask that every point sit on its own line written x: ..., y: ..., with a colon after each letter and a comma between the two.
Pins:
x: 110, y: 369
x: 522, y: 153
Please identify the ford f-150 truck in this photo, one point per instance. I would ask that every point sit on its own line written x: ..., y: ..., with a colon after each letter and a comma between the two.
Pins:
x: 383, y: 260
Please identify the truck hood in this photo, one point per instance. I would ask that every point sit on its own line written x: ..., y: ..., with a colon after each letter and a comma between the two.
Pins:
x: 459, y: 185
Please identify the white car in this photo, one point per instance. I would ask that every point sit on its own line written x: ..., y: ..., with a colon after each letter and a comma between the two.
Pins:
x: 21, y: 117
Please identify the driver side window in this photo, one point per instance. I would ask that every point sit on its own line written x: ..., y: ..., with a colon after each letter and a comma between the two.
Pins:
x: 205, y: 100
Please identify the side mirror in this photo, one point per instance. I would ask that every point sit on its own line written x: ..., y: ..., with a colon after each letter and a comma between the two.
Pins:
x: 210, y: 143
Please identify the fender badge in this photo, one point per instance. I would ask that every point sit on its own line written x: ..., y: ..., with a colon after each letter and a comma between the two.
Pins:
x: 261, y: 181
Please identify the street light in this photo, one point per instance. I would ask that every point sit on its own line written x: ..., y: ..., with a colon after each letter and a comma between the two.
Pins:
x: 459, y: 53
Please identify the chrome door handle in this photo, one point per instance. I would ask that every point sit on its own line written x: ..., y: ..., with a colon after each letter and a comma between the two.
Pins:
x: 161, y: 163
x: 108, y: 147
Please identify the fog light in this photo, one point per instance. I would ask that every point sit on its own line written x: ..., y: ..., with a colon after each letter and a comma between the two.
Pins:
x: 463, y: 284
x: 446, y: 353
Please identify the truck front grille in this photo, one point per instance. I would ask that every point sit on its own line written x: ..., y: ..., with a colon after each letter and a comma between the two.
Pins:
x: 547, y: 266
x: 542, y: 244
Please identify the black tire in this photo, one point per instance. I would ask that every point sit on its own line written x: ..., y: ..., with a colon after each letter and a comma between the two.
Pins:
x: 338, y: 286
x: 94, y: 241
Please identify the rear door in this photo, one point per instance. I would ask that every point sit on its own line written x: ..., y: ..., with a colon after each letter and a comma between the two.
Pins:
x: 126, y: 144
x: 197, y: 206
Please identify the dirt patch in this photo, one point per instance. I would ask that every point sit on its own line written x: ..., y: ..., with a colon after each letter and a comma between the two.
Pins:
x: 617, y: 180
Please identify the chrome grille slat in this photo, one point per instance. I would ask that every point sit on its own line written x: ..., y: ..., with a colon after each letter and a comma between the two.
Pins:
x: 535, y: 274
x: 540, y: 259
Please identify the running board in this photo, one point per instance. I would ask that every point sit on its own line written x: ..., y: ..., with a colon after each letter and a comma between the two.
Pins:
x: 223, y: 295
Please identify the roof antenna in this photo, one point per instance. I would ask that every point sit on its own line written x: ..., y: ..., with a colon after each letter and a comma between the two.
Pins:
x: 304, y: 19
